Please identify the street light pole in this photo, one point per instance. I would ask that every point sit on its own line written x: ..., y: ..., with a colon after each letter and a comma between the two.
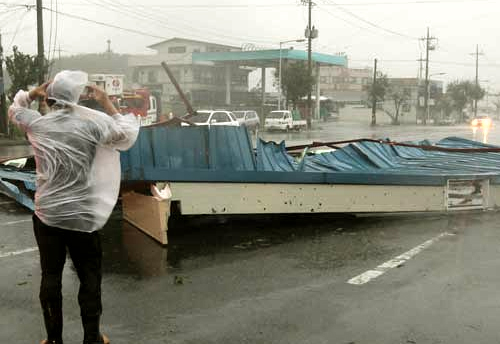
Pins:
x: 279, y: 72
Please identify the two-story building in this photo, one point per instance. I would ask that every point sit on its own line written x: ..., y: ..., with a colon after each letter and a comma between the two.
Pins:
x: 345, y: 84
x: 412, y: 108
x: 204, y: 83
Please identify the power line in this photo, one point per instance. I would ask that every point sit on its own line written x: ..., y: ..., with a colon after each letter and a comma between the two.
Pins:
x: 52, y: 52
x: 246, y: 6
x: 144, y: 15
x: 139, y: 32
x: 440, y: 62
x: 414, y: 2
x: 17, y: 29
x: 340, y: 18
x: 152, y: 15
x: 105, y: 24
x: 50, y: 31
x: 371, y: 23
x: 7, y: 12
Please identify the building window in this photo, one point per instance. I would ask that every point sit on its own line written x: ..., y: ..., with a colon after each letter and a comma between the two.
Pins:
x: 152, y: 76
x: 196, y: 50
x: 212, y: 49
x: 196, y: 75
x: 176, y: 50
x: 323, y: 79
x: 177, y: 75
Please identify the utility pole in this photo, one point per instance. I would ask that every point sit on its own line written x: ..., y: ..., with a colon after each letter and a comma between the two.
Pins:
x: 108, y: 52
x: 374, y: 95
x: 428, y: 47
x: 309, y: 67
x: 39, y: 29
x: 3, y: 105
x: 420, y: 67
x: 477, y: 53
x: 310, y: 34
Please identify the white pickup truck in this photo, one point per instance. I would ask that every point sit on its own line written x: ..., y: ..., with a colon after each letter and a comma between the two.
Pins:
x: 284, y: 120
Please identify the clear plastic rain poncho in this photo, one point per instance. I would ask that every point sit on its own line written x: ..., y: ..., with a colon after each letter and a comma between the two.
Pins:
x: 76, y: 153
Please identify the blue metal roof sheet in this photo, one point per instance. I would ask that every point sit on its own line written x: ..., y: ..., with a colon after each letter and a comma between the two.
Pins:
x: 223, y: 153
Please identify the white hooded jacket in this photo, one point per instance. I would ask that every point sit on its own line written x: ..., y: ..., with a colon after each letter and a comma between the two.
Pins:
x: 76, y: 153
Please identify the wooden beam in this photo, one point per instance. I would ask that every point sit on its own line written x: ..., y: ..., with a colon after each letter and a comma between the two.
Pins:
x: 147, y: 214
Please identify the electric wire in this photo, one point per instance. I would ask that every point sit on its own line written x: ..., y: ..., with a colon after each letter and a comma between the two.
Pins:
x: 17, y: 29
x: 372, y: 23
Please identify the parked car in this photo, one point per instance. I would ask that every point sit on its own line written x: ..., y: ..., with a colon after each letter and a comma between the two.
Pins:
x: 284, y: 120
x: 211, y: 117
x: 483, y: 121
x: 446, y: 121
x: 248, y: 118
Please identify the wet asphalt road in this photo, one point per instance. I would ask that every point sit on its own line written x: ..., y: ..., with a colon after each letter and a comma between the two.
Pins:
x: 275, y: 279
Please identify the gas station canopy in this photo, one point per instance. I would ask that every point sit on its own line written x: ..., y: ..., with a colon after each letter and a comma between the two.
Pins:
x: 268, y: 58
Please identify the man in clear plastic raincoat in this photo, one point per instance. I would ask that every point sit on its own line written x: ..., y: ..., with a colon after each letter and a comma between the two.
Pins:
x: 78, y: 181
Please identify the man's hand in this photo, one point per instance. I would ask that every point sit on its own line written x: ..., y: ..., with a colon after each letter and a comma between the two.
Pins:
x: 103, y: 99
x: 98, y: 94
x: 39, y: 92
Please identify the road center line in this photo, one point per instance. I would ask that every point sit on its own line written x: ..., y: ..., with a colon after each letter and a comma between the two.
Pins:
x: 18, y: 221
x: 395, y: 262
x: 15, y: 253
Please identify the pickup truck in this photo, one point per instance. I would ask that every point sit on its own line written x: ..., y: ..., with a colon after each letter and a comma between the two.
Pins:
x: 284, y: 120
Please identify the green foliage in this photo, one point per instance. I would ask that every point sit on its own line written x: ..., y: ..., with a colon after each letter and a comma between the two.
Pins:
x: 462, y: 93
x: 379, y: 90
x: 296, y: 81
x: 23, y: 70
x: 445, y: 105
x: 399, y: 96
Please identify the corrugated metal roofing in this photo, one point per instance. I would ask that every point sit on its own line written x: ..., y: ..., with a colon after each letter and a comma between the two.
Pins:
x: 226, y: 154
x: 189, y: 148
x: 380, y: 157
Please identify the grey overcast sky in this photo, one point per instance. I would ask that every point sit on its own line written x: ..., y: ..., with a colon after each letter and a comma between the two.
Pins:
x: 364, y: 29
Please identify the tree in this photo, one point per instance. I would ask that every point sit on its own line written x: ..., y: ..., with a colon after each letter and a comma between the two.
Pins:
x: 399, y: 97
x: 377, y: 92
x: 445, y: 105
x: 23, y: 70
x: 496, y: 102
x: 296, y: 81
x: 463, y: 93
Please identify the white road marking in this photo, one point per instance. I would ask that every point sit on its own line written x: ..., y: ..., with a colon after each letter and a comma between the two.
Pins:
x: 8, y: 202
x: 390, y: 264
x: 18, y: 221
x: 15, y: 253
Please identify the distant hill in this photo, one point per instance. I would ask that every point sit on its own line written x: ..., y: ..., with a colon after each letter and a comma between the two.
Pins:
x: 107, y: 63
x: 91, y: 63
